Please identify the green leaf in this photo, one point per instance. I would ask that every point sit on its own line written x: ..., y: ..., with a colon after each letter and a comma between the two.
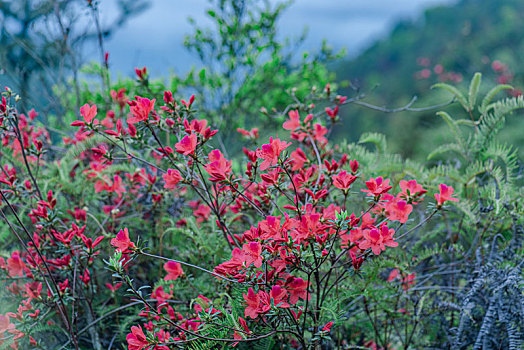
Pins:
x: 378, y: 139
x: 474, y: 90
x: 489, y: 96
x: 202, y: 74
x: 443, y: 149
x: 453, y: 90
x: 467, y: 122
x: 453, y: 125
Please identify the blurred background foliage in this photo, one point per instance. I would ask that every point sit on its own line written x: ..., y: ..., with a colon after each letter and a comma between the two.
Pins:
x: 239, y: 54
x: 448, y: 44
x: 41, y: 44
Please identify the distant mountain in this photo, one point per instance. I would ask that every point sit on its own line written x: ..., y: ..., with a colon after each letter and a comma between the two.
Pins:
x: 449, y: 43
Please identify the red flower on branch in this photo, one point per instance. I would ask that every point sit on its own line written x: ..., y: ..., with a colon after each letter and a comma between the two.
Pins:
x: 293, y: 122
x: 136, y: 340
x: 377, y: 186
x: 89, y: 113
x: 122, y: 242
x: 398, y: 210
x: 140, y: 109
x: 270, y: 152
x: 171, y: 178
x: 218, y: 166
x: 173, y: 269
x: 445, y: 194
x: 343, y: 180
x: 252, y: 253
x: 187, y: 145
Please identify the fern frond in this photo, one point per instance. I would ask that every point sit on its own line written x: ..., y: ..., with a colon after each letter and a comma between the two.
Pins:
x: 443, y: 149
x: 491, y: 123
x: 379, y: 140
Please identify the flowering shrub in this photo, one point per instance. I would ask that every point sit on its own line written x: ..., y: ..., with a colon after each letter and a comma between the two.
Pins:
x: 145, y: 229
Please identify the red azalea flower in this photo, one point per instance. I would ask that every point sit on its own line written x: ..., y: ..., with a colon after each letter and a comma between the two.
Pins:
x: 89, y: 242
x: 174, y: 270
x: 398, y: 210
x: 270, y: 152
x: 171, y: 178
x: 298, y: 159
x: 372, y: 239
x: 411, y: 191
x: 187, y: 145
x: 408, y: 281
x: 279, y: 296
x: 378, y: 239
x: 252, y: 300
x: 5, y: 325
x: 357, y: 262
x: 343, y: 180
x: 294, y: 121
x: 252, y: 253
x: 377, y: 186
x: 393, y: 274
x: 140, y: 109
x: 122, y: 242
x: 88, y: 112
x: 298, y: 290
x: 444, y: 195
x: 218, y: 166
x: 113, y: 288
x: 15, y: 265
x: 136, y: 340
x: 252, y: 134
x: 387, y: 235
x: 327, y: 327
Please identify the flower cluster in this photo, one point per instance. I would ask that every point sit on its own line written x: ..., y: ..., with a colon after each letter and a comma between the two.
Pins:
x: 284, y: 222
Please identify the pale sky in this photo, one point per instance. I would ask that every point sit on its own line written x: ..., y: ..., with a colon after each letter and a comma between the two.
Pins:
x: 155, y: 37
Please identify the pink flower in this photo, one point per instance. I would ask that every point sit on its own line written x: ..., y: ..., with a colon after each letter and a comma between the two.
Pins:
x: 378, y: 239
x: 398, y: 210
x: 218, y: 166
x: 140, y: 109
x: 252, y: 253
x: 372, y: 239
x: 298, y: 290
x: 187, y: 145
x: 270, y: 152
x: 299, y: 159
x: 252, y: 300
x: 343, y: 180
x: 377, y: 186
x: 15, y: 265
x: 327, y: 327
x: 136, y: 340
x: 444, y: 195
x: 171, y: 178
x: 122, y: 242
x: 294, y: 121
x: 174, y: 270
x: 88, y: 112
x: 411, y: 191
x: 279, y: 296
